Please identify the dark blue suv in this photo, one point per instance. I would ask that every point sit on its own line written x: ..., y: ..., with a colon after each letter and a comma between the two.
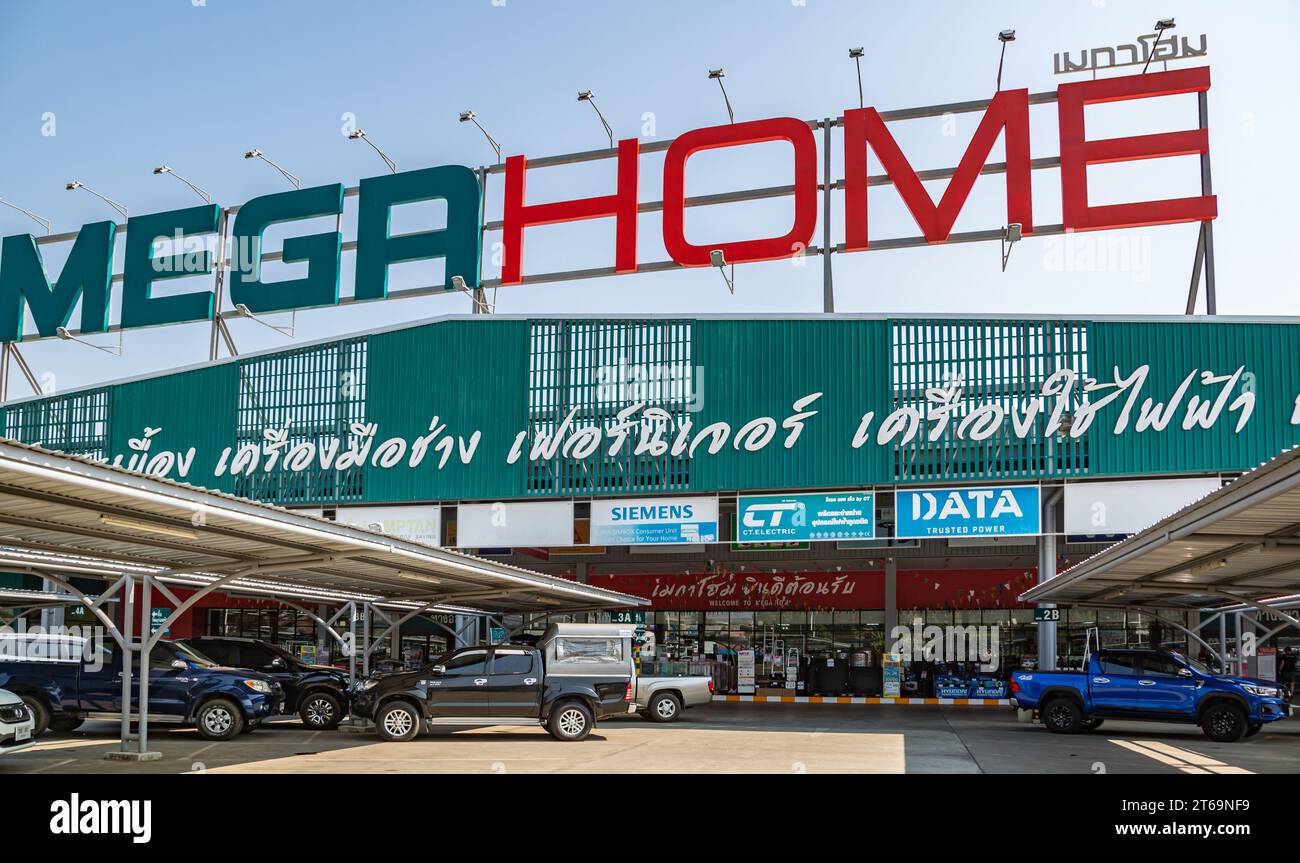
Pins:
x: 65, y: 680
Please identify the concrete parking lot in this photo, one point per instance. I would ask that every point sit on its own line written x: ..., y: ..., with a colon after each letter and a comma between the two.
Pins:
x: 720, y: 738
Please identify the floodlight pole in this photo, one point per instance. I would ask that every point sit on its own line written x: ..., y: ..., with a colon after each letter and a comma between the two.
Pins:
x: 586, y: 96
x: 1160, y: 31
x: 126, y: 214
x: 10, y: 352
x: 219, y: 329
x: 46, y: 223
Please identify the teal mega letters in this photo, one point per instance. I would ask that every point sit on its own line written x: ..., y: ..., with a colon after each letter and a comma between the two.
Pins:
x: 458, y: 243
x: 139, y: 309
x: 320, y: 287
x: 87, y: 274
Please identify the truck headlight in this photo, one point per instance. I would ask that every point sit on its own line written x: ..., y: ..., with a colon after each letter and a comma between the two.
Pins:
x: 1262, y: 691
x: 259, y: 686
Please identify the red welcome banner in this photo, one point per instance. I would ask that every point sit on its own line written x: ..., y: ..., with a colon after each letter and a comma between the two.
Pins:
x: 821, y: 591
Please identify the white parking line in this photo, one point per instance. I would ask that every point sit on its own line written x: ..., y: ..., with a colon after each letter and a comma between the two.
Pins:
x: 1184, y: 759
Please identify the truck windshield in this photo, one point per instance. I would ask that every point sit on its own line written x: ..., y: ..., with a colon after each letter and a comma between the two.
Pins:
x: 1195, y: 665
x: 189, y: 654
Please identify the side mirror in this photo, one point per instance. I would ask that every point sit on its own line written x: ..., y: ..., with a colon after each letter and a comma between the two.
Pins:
x: 180, y: 665
x: 278, y: 663
x: 438, y: 670
x: 1185, y: 672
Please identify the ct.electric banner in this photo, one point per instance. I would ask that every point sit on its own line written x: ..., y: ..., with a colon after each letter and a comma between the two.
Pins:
x: 804, y: 517
x: 654, y: 521
x: 955, y: 512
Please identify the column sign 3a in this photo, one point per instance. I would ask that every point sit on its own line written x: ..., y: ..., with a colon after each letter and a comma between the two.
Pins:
x: 985, y: 511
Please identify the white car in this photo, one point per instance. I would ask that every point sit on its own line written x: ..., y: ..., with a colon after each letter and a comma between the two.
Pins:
x: 16, y: 723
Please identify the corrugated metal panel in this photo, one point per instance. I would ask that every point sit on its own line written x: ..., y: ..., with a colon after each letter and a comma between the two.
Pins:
x: 305, y: 395
x: 759, y: 368
x: 76, y: 423
x: 183, y: 411
x: 998, y: 367
x: 581, y: 374
x: 469, y: 375
x: 505, y: 377
x: 1174, y: 351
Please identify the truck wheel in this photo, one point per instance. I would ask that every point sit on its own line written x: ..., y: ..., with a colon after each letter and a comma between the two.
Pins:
x: 65, y: 723
x: 398, y: 722
x: 321, y: 711
x: 1091, y: 724
x: 1224, y: 723
x: 219, y: 719
x: 40, y: 714
x: 570, y: 720
x: 1062, y: 716
x: 665, y: 707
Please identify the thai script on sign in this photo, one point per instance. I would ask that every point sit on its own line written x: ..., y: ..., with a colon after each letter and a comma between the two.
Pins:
x: 1148, y: 47
x: 1066, y: 404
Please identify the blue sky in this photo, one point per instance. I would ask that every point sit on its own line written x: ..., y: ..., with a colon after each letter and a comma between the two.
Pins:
x: 195, y: 83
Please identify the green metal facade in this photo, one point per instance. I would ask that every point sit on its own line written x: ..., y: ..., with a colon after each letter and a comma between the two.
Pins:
x: 472, y: 387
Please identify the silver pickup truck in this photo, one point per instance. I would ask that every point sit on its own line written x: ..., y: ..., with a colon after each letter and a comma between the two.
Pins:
x: 664, y: 698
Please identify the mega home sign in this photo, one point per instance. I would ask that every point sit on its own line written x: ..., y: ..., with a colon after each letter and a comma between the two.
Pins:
x: 156, y: 243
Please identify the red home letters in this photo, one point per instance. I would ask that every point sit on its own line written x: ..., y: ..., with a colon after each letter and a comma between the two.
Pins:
x: 1007, y: 115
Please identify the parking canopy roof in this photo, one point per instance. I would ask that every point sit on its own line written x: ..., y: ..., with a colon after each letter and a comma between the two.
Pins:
x: 65, y: 515
x: 1240, y: 543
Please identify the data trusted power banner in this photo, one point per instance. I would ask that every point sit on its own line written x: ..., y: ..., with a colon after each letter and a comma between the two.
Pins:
x: 968, y: 512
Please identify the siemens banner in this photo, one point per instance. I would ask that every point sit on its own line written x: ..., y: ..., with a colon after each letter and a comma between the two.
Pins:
x: 804, y: 517
x: 954, y: 512
x: 654, y: 521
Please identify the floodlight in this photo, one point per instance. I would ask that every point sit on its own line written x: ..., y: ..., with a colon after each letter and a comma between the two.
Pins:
x: 588, y: 97
x: 257, y: 154
x: 166, y: 169
x: 718, y: 75
x: 856, y: 54
x: 360, y: 134
x: 719, y: 260
x: 470, y: 117
x: 1161, y: 26
x: 1011, y: 235
x: 1004, y: 37
x: 77, y: 184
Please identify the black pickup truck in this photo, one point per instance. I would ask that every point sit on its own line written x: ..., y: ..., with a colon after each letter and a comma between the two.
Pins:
x: 576, y: 675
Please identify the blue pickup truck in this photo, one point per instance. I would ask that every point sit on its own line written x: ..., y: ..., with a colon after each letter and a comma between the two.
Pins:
x: 1156, y: 685
x: 63, y: 683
